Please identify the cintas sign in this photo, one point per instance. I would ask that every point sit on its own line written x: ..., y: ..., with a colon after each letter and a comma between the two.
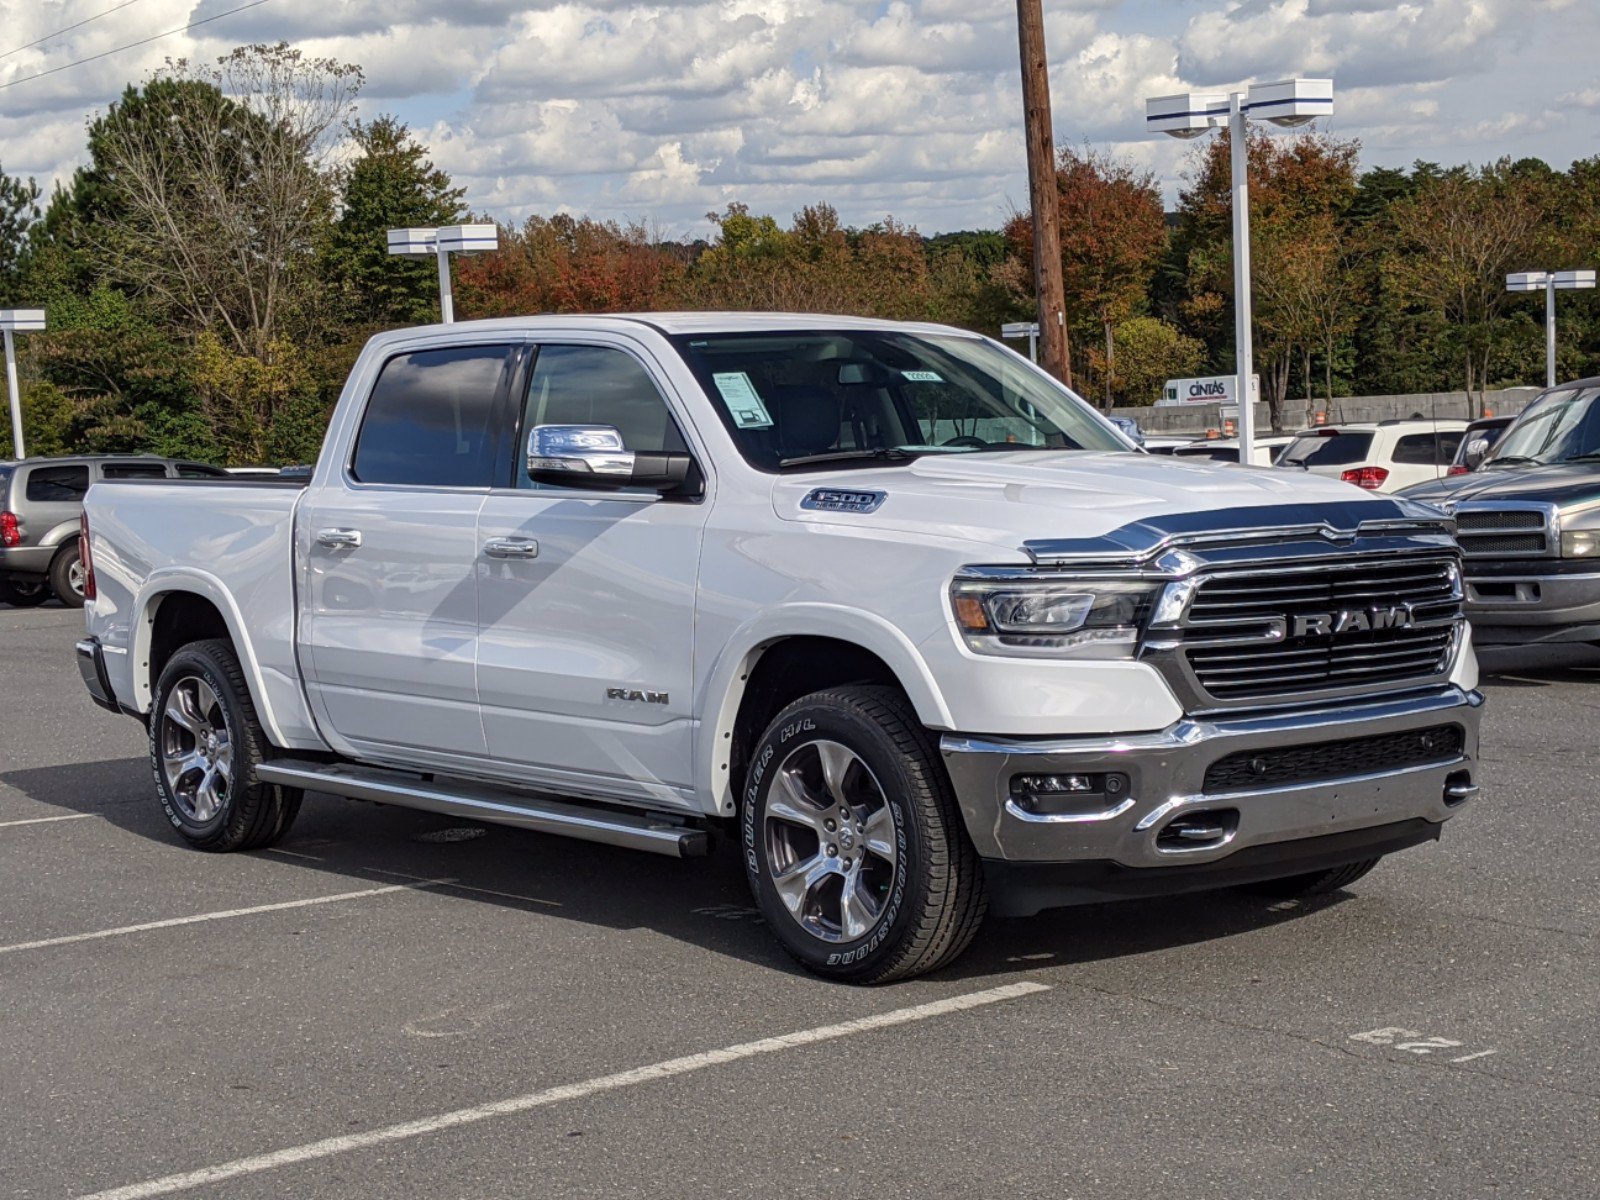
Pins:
x: 1214, y: 389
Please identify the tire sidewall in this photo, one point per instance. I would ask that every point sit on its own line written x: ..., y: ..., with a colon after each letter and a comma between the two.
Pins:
x: 60, y: 577
x: 811, y: 721
x: 183, y: 664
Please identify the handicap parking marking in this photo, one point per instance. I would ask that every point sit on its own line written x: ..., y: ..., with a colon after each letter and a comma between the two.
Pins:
x: 670, y: 1068
x: 223, y: 915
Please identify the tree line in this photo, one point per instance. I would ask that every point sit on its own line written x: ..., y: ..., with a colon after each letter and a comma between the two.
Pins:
x: 214, y: 268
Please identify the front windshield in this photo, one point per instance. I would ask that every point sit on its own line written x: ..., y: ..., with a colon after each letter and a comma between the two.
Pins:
x: 814, y: 399
x: 1557, y: 427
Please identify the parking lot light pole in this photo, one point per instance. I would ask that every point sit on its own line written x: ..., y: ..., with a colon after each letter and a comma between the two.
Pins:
x: 441, y: 244
x: 1288, y: 103
x: 12, y: 322
x: 1551, y: 282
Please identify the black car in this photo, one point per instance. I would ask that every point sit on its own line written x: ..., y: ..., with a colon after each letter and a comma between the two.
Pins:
x: 1528, y: 522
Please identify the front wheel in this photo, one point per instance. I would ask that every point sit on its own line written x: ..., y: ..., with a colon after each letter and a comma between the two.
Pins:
x: 853, y: 842
x: 205, y: 745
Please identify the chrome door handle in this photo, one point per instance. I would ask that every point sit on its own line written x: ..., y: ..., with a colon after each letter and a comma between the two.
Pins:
x: 511, y: 547
x: 339, y: 539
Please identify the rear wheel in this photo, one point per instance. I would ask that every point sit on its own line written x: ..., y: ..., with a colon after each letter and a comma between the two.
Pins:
x: 1316, y: 883
x: 854, y: 845
x: 205, y: 745
x: 68, y: 576
x: 24, y: 593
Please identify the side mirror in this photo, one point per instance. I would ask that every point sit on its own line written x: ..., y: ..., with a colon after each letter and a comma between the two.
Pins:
x: 1475, y: 451
x: 594, y: 456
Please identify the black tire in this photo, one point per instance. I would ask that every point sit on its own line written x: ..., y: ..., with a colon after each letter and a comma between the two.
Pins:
x: 66, y: 575
x: 248, y: 814
x: 20, y: 593
x: 928, y: 901
x: 1316, y: 883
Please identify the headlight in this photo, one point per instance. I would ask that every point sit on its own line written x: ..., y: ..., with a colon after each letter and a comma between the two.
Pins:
x: 1073, y: 618
x: 1580, y: 543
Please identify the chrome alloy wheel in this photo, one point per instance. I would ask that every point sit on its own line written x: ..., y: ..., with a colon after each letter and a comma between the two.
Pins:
x: 196, y: 749
x: 831, y: 842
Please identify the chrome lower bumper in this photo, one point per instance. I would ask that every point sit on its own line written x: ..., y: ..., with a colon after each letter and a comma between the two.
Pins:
x: 1533, y: 607
x: 1166, y: 774
x: 92, y: 666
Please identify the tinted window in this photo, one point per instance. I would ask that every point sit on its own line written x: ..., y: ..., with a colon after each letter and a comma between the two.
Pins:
x: 58, y: 485
x: 1417, y: 450
x: 1326, y: 450
x: 199, y: 471
x: 596, y: 385
x: 133, y: 471
x: 430, y: 421
x: 1449, y: 443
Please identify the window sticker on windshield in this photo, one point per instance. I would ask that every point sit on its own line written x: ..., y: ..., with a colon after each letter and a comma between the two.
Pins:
x: 739, y: 394
x: 922, y: 376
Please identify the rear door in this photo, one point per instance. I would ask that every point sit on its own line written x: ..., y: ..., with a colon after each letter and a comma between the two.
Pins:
x: 389, y: 603
x: 1423, y: 456
x: 50, y: 503
x: 586, y: 642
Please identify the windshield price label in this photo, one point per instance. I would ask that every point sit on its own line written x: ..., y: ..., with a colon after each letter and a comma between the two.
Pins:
x: 745, y: 406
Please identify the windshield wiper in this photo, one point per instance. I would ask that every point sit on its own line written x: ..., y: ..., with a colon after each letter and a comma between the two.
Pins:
x: 1515, y: 460
x: 879, y: 454
x: 1586, y: 456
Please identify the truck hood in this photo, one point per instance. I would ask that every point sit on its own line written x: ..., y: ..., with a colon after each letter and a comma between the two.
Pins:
x: 1574, y: 483
x: 1005, y: 499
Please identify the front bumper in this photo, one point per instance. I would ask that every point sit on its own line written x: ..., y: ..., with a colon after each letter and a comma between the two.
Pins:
x: 1166, y: 773
x: 1513, y: 604
x: 92, y: 666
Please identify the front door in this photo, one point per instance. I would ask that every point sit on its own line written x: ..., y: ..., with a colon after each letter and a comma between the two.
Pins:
x: 389, y: 603
x: 586, y: 600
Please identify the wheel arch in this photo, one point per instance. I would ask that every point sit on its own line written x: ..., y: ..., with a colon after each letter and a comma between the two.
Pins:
x: 175, y: 608
x: 789, y: 654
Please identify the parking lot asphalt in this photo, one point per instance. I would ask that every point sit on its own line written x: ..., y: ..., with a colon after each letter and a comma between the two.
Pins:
x: 395, y: 1004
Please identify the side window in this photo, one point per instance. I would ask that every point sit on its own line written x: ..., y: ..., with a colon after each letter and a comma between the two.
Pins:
x: 430, y: 420
x: 1449, y: 443
x: 57, y: 485
x: 198, y: 471
x: 1416, y: 450
x: 596, y: 385
x: 133, y: 471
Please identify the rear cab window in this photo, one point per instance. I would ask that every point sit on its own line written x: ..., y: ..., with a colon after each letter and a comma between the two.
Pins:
x: 1327, y: 449
x: 57, y: 485
x: 133, y: 471
x: 434, y: 419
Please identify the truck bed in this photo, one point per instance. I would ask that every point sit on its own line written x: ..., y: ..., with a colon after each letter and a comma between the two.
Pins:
x: 231, y: 541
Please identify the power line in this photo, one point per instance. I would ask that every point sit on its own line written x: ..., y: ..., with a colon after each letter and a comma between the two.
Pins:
x: 131, y: 45
x: 69, y: 28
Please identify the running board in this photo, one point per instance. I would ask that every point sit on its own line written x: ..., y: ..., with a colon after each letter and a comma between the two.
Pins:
x: 483, y: 802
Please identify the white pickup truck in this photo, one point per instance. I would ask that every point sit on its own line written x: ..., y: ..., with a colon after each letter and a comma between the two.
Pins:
x: 883, y: 602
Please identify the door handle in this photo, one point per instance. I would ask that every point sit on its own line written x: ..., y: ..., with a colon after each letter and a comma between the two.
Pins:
x: 511, y: 547
x: 339, y: 539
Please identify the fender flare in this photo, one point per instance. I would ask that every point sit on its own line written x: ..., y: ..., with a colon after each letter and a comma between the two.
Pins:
x: 168, y: 581
x: 725, y: 685
x: 60, y: 535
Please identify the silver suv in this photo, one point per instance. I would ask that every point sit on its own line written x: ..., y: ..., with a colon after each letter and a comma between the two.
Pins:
x: 41, y: 500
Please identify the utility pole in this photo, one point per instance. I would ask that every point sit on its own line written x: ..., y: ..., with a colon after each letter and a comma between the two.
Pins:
x: 1042, y: 195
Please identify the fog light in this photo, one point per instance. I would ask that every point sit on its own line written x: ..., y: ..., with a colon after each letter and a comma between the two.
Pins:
x: 1074, y: 794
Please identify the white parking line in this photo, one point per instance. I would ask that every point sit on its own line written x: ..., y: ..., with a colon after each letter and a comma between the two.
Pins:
x: 217, y: 916
x: 571, y: 1091
x: 44, y: 820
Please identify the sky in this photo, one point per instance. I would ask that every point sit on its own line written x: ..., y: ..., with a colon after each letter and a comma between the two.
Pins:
x: 663, y: 112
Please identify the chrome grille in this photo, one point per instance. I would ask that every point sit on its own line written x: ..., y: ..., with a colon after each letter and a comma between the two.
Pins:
x: 1242, y: 641
x: 1502, y: 532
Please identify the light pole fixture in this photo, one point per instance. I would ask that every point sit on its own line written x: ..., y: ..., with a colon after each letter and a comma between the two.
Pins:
x: 14, y: 321
x: 441, y: 244
x: 1287, y: 103
x: 1550, y: 282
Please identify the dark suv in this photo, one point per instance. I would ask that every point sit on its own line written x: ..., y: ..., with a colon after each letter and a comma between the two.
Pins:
x: 41, y: 500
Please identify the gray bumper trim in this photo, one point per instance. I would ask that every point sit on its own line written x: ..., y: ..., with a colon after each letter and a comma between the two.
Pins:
x: 1167, y: 770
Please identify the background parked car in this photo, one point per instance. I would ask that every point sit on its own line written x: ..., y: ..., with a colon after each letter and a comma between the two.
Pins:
x: 1482, y: 434
x: 1264, y: 452
x: 1384, y: 457
x: 41, y: 500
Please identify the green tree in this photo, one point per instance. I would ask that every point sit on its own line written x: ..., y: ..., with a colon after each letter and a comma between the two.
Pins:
x: 1151, y: 352
x: 19, y: 210
x: 391, y: 185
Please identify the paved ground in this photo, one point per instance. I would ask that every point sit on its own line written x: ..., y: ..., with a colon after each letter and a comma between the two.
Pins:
x: 1431, y: 1033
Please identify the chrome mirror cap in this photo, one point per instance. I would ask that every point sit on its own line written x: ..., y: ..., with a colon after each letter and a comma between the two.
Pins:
x: 584, y: 450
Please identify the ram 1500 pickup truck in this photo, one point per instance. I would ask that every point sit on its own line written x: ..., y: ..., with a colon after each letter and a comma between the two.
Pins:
x: 885, y: 604
x: 1528, y: 521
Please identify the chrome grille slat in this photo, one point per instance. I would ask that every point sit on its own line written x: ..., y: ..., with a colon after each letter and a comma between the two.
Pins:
x: 1242, y: 604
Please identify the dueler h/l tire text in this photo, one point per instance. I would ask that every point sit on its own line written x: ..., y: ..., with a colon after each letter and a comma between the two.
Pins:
x: 205, y: 744
x: 853, y: 842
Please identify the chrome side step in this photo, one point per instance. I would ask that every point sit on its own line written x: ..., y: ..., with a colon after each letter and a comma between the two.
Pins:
x: 483, y: 802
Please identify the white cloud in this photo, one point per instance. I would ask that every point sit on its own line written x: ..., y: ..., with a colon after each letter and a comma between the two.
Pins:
x: 661, y: 111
